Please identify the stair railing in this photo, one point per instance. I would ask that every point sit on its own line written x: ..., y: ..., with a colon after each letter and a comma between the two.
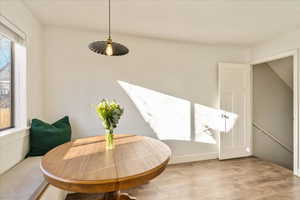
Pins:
x: 270, y: 135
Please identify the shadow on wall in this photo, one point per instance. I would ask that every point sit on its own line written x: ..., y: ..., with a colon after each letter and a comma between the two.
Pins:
x: 173, y: 118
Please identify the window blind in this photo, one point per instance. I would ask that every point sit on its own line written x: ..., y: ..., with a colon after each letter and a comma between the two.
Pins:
x: 11, y: 31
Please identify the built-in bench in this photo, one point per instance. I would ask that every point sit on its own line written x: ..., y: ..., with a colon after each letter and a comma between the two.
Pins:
x: 25, y: 181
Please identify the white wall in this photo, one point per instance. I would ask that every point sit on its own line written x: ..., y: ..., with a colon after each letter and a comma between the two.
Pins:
x: 272, y: 111
x: 76, y: 78
x: 14, y: 146
x: 16, y: 12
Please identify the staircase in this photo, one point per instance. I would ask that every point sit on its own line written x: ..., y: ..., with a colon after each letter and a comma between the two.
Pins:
x: 272, y: 117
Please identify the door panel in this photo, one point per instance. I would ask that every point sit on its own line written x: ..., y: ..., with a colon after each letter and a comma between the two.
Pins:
x: 234, y: 92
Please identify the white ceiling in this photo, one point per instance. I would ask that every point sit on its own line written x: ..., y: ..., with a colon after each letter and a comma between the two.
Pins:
x: 238, y: 22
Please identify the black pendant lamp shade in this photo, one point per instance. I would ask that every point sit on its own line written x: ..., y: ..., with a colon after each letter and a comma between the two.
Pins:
x: 103, y: 48
x: 108, y: 48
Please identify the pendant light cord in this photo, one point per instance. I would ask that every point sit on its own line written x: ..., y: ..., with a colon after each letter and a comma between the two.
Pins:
x: 109, y: 36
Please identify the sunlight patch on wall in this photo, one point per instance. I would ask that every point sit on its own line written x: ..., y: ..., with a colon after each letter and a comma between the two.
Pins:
x: 206, y: 121
x: 168, y: 116
x: 207, y: 118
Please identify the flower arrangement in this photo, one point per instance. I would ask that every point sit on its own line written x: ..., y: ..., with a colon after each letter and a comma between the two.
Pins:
x: 110, y: 113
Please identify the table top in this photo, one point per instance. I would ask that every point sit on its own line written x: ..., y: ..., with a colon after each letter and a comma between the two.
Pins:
x: 84, y: 165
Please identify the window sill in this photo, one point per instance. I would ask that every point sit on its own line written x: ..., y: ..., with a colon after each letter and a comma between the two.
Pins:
x: 13, y: 131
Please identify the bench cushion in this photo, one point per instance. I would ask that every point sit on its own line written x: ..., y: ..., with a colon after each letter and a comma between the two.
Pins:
x: 23, y: 182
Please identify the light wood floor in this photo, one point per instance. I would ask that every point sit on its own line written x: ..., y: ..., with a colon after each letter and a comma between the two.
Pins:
x: 239, y: 179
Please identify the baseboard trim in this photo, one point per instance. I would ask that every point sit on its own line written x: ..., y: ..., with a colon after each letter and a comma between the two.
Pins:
x: 193, y: 157
x: 297, y: 172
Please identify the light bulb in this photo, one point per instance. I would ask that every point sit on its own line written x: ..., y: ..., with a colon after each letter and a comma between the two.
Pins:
x: 109, y: 49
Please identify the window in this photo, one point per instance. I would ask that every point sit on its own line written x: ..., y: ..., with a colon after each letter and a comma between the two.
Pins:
x: 6, y: 83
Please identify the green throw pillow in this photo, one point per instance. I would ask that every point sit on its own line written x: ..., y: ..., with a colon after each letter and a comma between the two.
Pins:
x: 44, y: 136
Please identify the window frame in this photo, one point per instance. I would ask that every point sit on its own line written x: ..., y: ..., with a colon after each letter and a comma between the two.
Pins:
x: 12, y: 85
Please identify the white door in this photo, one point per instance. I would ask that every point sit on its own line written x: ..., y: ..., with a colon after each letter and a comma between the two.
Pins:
x: 235, y: 105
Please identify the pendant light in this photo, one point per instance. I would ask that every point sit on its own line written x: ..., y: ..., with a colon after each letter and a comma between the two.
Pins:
x: 108, y: 47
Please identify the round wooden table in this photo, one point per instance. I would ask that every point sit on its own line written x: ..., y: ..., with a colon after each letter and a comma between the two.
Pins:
x: 85, y: 167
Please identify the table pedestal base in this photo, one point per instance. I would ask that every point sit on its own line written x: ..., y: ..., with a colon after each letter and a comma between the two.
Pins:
x: 106, y: 196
